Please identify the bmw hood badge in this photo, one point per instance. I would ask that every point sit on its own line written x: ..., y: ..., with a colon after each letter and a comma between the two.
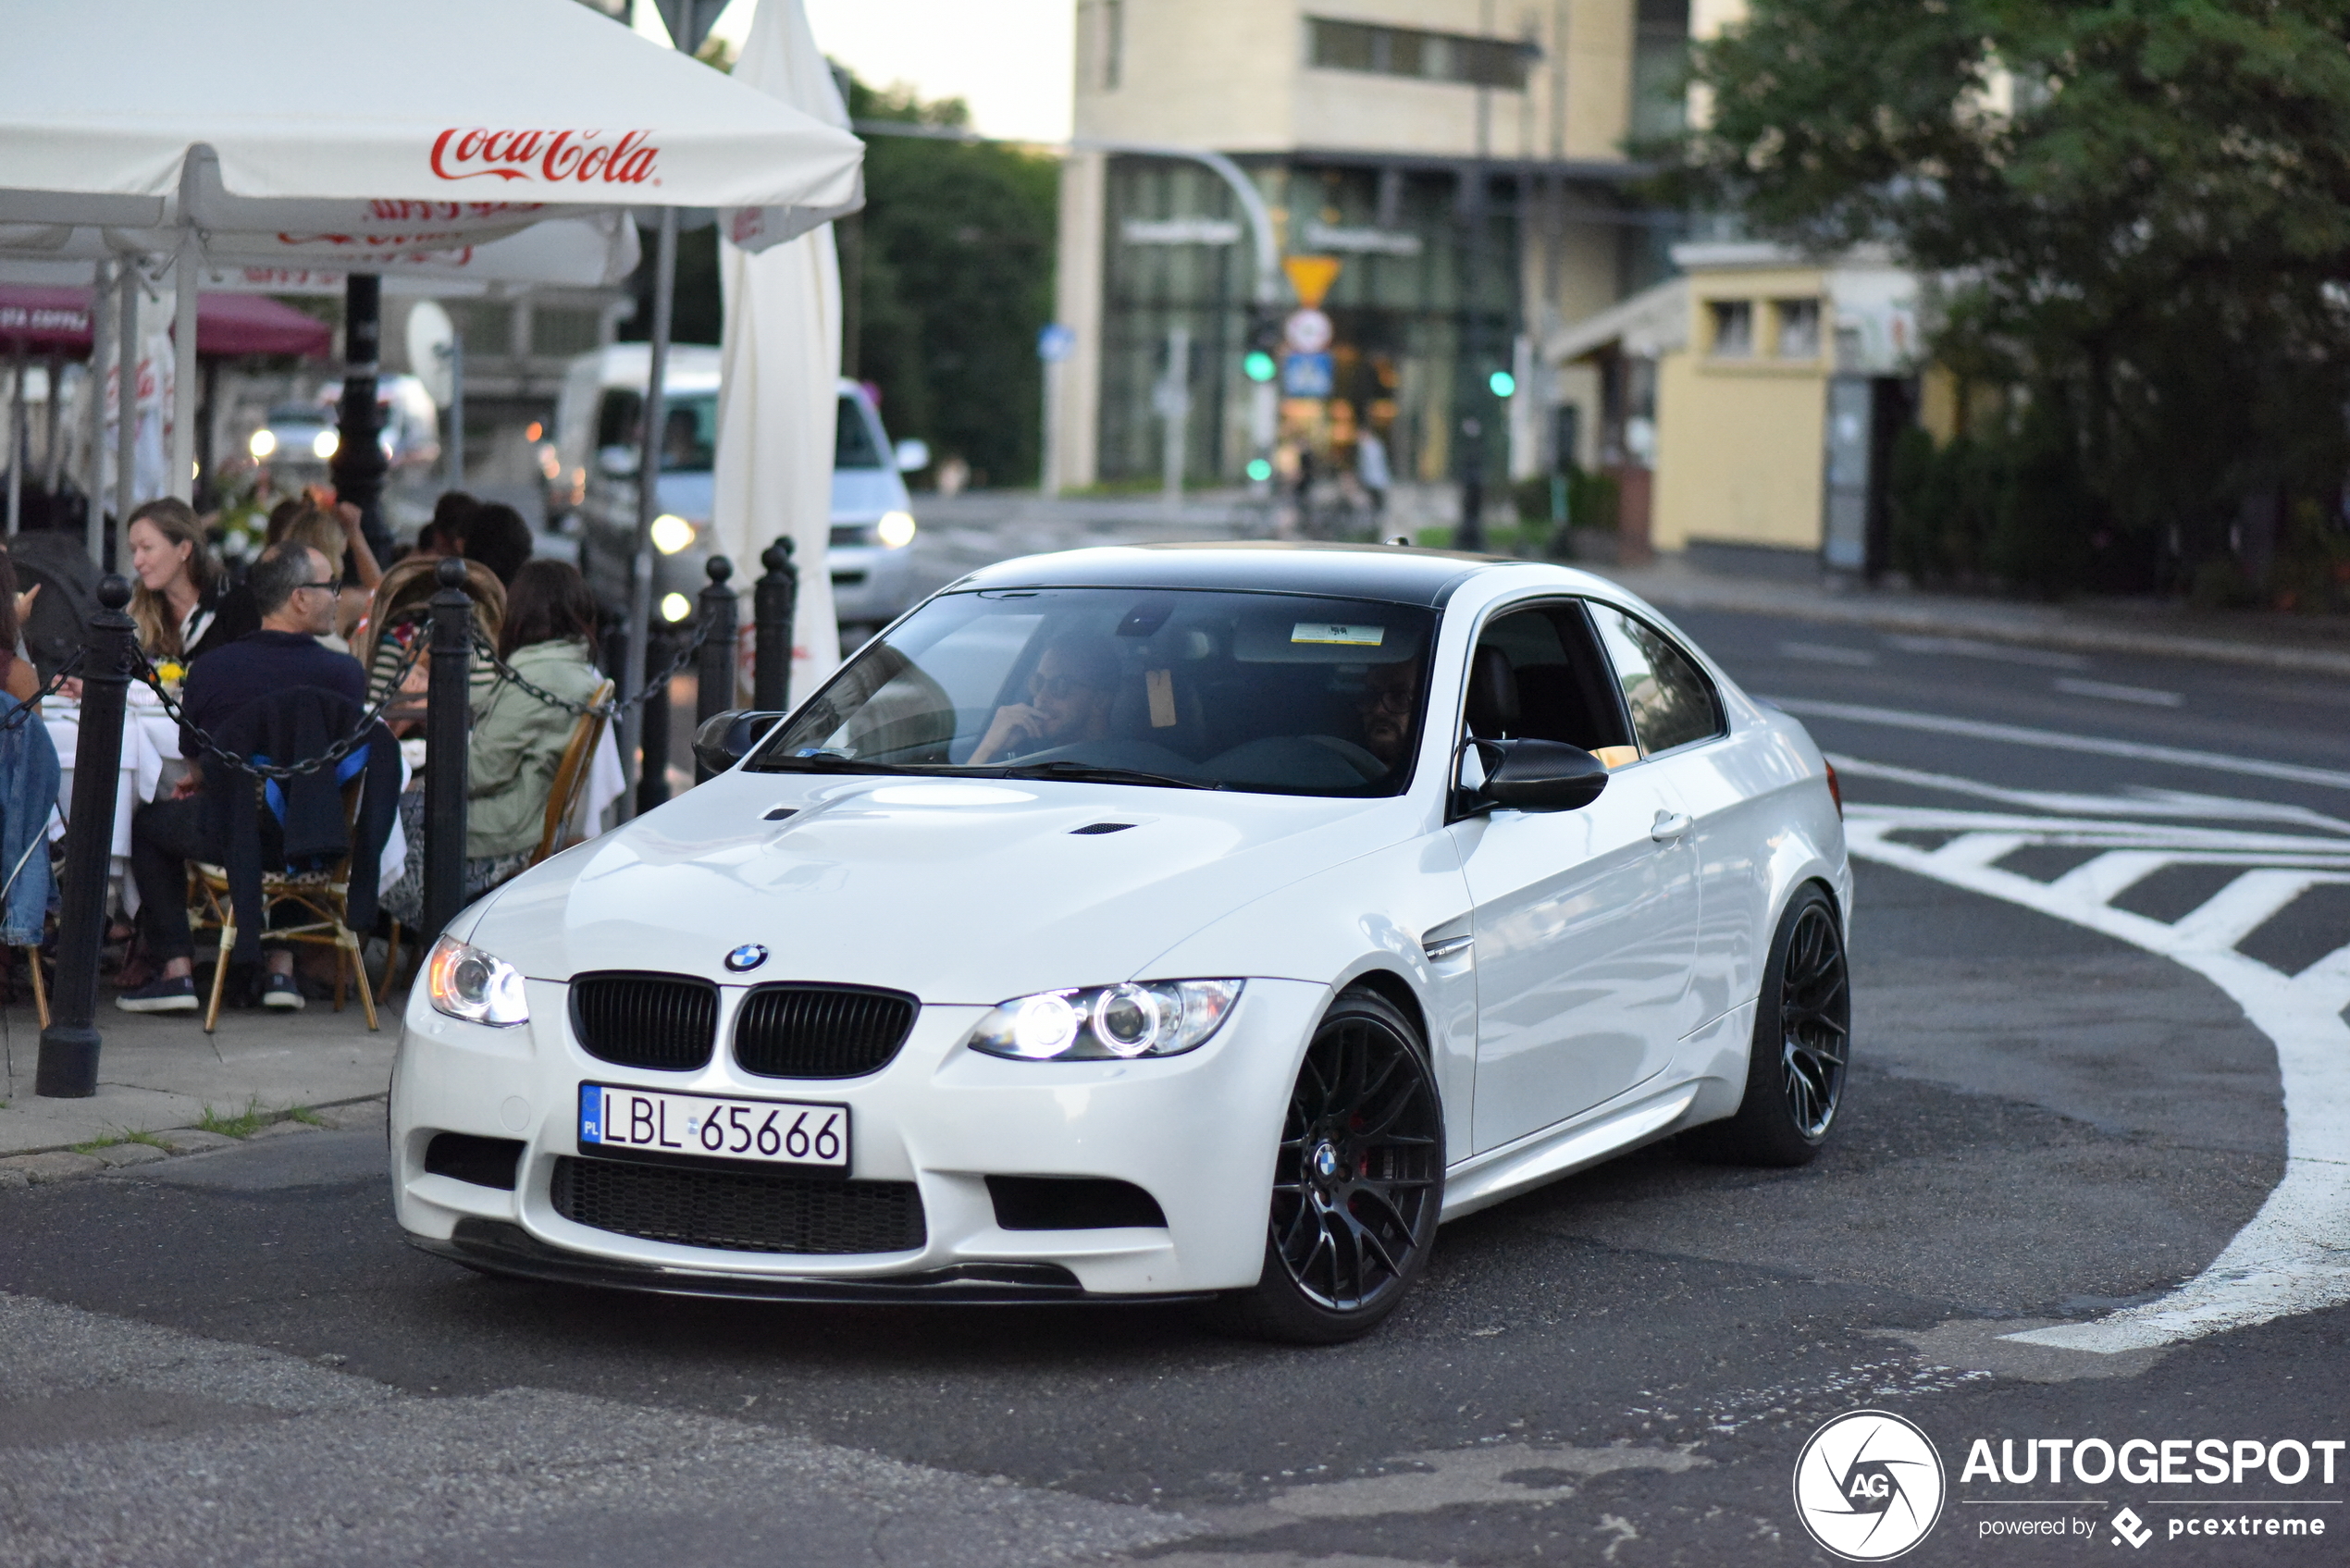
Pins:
x: 749, y: 955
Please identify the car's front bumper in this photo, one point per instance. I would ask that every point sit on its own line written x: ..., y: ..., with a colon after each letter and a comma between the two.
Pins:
x: 1197, y: 1132
x: 872, y: 583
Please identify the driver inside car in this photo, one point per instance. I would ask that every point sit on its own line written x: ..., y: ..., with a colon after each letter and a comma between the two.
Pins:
x: 1070, y: 693
x: 1390, y: 693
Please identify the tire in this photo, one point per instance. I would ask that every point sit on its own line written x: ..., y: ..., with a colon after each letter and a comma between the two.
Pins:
x: 1357, y: 1185
x: 1796, y: 1069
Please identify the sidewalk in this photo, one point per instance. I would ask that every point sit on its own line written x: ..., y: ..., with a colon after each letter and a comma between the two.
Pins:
x: 160, y: 1072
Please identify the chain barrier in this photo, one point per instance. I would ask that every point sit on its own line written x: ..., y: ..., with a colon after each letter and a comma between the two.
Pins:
x: 618, y: 705
x: 145, y: 673
x: 56, y: 684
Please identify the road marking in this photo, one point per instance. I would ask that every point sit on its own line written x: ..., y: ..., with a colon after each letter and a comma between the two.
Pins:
x: 2004, y: 653
x: 2137, y: 802
x: 2293, y: 1256
x: 1828, y: 653
x: 2054, y: 740
x: 2145, y: 696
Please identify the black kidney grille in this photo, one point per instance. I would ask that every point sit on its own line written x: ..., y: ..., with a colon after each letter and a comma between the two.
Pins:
x: 751, y: 1211
x: 665, y: 1022
x: 821, y: 1031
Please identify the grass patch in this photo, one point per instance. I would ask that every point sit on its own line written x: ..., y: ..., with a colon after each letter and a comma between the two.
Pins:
x: 243, y: 1124
x: 307, y: 1117
x: 98, y: 1144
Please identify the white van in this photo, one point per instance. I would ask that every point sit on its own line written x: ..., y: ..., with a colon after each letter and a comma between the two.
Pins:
x: 597, y: 436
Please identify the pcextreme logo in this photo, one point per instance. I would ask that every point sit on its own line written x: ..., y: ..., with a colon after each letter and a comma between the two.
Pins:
x: 1869, y: 1485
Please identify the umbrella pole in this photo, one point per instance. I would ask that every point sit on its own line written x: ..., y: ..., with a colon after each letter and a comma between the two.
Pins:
x: 185, y: 270
x: 16, y: 443
x: 94, y: 393
x: 359, y: 464
x: 125, y: 424
x: 640, y: 583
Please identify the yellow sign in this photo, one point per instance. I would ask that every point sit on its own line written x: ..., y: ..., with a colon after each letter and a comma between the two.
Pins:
x: 1311, y: 277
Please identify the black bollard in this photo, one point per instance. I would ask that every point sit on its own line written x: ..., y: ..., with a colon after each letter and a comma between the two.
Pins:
x: 447, y: 717
x: 68, y: 1069
x: 774, y: 603
x: 714, y: 666
x: 653, y: 727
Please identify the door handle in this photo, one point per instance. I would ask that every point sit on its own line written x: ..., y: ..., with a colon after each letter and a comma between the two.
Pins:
x: 1669, y: 826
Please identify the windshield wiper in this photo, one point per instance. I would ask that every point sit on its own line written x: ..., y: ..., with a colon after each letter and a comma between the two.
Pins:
x: 1089, y: 772
x: 832, y: 762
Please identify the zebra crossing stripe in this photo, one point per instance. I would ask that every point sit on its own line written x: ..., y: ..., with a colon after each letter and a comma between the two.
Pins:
x: 2294, y: 1255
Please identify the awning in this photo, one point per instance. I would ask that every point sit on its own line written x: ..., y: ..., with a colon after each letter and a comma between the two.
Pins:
x: 44, y: 320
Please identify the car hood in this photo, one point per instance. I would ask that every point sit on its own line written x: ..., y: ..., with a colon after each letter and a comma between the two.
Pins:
x: 859, y: 495
x: 689, y: 493
x: 958, y: 890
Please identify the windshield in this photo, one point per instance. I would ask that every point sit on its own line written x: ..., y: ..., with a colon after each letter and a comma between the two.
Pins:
x: 1271, y: 693
x: 689, y: 427
x: 853, y: 439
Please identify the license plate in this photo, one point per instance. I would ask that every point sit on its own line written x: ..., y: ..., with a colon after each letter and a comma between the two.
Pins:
x: 792, y: 1133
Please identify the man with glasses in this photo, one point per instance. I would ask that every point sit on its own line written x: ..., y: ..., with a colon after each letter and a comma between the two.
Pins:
x: 1390, y: 693
x: 1070, y: 693
x: 295, y: 590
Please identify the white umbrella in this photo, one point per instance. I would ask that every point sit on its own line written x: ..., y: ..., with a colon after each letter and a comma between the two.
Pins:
x: 147, y: 121
x: 780, y: 363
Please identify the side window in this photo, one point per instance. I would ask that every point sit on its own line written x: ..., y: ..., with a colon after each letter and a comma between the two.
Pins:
x: 1671, y: 702
x: 1539, y: 674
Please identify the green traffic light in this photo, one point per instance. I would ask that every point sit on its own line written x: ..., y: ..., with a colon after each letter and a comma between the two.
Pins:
x: 1258, y: 366
x: 1503, y: 382
x: 1259, y: 469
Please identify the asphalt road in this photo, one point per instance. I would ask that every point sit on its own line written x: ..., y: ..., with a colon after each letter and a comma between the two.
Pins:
x: 2069, y: 1099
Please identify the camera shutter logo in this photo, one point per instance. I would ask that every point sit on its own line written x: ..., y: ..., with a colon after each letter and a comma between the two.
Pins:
x: 1869, y: 1485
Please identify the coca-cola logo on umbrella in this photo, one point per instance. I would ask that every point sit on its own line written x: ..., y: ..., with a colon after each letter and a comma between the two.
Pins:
x: 554, y: 156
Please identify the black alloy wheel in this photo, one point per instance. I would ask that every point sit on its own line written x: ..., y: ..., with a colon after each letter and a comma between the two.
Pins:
x: 1802, y: 1044
x: 1357, y: 1183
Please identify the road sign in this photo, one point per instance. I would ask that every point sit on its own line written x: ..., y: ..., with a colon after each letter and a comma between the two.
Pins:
x: 1307, y: 332
x: 1055, y: 342
x: 1311, y: 277
x: 1308, y: 375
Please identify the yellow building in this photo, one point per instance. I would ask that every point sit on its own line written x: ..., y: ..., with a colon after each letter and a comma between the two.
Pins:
x: 1756, y: 397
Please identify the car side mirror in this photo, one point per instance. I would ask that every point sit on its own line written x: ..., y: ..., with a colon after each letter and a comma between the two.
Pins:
x: 1536, y: 776
x: 911, y: 455
x: 617, y: 462
x: 726, y: 738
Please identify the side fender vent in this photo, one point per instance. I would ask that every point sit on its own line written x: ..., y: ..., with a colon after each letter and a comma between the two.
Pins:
x: 1100, y: 828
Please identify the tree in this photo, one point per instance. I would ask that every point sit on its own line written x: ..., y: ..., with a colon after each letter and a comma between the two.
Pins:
x: 2138, y: 212
x: 954, y: 271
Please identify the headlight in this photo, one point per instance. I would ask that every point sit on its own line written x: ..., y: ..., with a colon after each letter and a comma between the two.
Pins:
x: 1150, y: 1018
x: 465, y: 982
x: 675, y: 607
x: 672, y: 533
x: 896, y: 529
x: 264, y: 442
x: 326, y: 443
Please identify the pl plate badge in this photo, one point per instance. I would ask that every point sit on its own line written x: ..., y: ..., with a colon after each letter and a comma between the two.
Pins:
x: 1869, y: 1485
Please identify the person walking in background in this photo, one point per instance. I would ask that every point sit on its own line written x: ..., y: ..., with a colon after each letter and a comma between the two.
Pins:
x: 1372, y: 471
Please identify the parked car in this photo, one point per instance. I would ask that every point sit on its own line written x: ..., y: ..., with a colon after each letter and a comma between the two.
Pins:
x: 1192, y: 922
x: 598, y: 434
x: 297, y: 440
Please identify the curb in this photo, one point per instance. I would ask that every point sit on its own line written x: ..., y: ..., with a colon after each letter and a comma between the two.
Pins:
x: 44, y: 1168
x: 2074, y: 637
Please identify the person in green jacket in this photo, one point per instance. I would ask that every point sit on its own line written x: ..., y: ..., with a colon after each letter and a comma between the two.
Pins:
x: 549, y: 637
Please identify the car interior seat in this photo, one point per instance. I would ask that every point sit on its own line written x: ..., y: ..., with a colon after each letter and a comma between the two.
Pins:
x: 1493, y: 695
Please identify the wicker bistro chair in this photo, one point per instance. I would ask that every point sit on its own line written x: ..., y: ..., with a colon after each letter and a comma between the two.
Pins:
x: 322, y: 896
x: 563, y: 805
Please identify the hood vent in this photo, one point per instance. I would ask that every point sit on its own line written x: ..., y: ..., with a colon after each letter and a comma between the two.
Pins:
x: 777, y: 813
x: 1100, y: 828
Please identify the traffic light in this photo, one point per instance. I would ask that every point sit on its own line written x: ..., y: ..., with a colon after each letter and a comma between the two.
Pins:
x: 1261, y: 362
x: 1503, y: 382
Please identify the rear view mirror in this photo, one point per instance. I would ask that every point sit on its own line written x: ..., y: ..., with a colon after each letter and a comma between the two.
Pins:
x: 617, y: 462
x: 911, y: 455
x: 725, y: 738
x: 1536, y: 776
